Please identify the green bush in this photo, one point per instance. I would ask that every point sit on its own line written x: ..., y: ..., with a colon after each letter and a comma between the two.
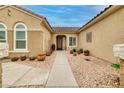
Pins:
x: 81, y: 50
x: 74, y: 50
x: 86, y: 52
x: 116, y: 66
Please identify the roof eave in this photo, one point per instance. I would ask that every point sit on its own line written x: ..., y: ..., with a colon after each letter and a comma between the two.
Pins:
x: 99, y: 17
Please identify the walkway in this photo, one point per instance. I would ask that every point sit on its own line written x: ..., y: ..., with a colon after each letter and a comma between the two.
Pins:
x: 61, y: 74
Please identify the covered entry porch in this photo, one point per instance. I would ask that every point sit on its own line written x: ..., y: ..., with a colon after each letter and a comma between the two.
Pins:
x: 61, y: 42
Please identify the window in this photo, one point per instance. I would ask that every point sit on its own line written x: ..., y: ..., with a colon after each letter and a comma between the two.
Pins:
x: 3, y: 33
x: 20, y: 37
x: 89, y: 37
x: 72, y: 41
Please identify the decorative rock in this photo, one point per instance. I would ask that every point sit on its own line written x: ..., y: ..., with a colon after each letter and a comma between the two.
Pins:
x: 0, y: 74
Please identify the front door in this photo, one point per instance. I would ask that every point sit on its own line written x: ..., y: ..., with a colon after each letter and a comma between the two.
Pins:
x: 59, y: 43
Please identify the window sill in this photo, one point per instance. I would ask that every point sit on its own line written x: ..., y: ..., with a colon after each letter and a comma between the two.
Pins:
x: 18, y: 51
x: 72, y: 46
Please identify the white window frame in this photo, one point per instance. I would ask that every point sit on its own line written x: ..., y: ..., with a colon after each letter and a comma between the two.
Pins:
x: 15, y: 30
x: 75, y: 41
x: 5, y: 31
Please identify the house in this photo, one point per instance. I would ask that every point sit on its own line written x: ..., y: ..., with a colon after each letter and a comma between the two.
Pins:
x: 65, y: 37
x: 102, y: 32
x: 28, y: 33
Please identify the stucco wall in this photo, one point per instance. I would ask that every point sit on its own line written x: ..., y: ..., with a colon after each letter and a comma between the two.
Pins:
x: 67, y: 39
x: 105, y: 34
x: 38, y: 34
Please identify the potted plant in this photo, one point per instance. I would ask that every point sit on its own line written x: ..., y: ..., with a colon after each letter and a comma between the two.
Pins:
x: 75, y: 54
x: 81, y: 50
x: 86, y: 52
x: 74, y: 50
x: 14, y: 59
x: 48, y: 53
x: 78, y: 52
x: 71, y: 51
x: 31, y: 58
x: 53, y: 47
x: 41, y: 57
x: 22, y: 58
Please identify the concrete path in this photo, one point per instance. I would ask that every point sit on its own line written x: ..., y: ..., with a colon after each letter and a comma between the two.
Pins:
x: 15, y: 74
x: 61, y: 74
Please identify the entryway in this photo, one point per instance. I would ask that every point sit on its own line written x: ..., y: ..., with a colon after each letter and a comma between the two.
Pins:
x: 61, y: 42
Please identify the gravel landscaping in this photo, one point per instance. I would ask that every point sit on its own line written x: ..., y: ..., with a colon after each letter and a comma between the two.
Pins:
x: 40, y: 64
x: 45, y: 65
x: 91, y: 72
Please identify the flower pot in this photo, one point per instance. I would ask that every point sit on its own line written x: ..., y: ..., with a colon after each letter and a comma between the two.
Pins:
x: 40, y: 58
x: 22, y: 58
x: 14, y: 59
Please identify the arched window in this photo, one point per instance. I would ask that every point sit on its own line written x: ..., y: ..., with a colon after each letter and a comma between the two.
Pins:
x: 3, y: 33
x: 20, y: 37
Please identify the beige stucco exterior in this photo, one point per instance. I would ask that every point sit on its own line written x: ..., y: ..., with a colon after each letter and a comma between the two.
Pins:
x: 105, y: 33
x: 38, y: 34
x: 107, y: 30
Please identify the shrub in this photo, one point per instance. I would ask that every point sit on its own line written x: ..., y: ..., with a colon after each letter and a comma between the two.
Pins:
x: 78, y: 52
x: 74, y: 50
x: 22, y: 58
x: 48, y: 53
x: 81, y: 50
x: 32, y: 58
x: 14, y: 59
x: 116, y: 66
x: 86, y: 52
x: 71, y: 51
x: 53, y: 47
x: 74, y: 54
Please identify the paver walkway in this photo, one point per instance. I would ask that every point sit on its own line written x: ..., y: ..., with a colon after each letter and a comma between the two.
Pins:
x: 61, y: 74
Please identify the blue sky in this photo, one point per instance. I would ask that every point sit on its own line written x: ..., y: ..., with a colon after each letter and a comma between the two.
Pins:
x: 66, y: 15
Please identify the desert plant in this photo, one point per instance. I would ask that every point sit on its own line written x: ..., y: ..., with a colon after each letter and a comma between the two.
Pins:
x: 53, y: 47
x: 22, y: 58
x: 74, y: 50
x: 31, y: 58
x: 71, y: 51
x: 74, y: 54
x: 81, y: 50
x: 116, y: 66
x: 86, y: 52
x: 78, y: 52
x: 14, y: 59
x: 48, y: 53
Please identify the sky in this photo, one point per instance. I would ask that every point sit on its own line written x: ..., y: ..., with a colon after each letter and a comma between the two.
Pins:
x: 66, y: 15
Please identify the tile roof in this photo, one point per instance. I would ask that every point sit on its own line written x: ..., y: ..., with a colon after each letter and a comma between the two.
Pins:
x: 66, y: 29
x: 96, y: 16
